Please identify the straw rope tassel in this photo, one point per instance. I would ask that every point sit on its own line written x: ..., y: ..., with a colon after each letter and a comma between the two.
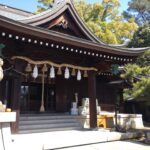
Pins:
x: 42, y: 109
x: 53, y: 64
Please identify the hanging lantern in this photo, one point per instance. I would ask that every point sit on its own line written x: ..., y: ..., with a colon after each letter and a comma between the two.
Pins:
x: 44, y: 69
x: 59, y: 72
x: 79, y: 75
x: 114, y: 69
x: 52, y: 72
x: 1, y: 70
x: 35, y: 72
x: 67, y: 74
x: 73, y: 73
x: 28, y: 68
x: 85, y: 74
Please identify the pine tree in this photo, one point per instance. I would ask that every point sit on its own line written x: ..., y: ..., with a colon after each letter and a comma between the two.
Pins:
x: 140, y: 10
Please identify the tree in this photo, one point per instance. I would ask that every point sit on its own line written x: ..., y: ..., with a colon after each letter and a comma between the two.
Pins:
x: 44, y: 4
x: 141, y: 37
x: 103, y: 19
x: 140, y: 10
x: 138, y: 75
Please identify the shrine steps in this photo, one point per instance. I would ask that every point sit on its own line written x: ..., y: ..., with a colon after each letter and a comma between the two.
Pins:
x: 47, y: 122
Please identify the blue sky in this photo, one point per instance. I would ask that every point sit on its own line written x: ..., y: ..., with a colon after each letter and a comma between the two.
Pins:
x: 31, y: 5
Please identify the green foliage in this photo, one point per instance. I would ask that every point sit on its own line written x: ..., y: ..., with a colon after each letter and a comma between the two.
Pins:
x: 44, y: 4
x: 103, y: 19
x: 114, y: 69
x: 142, y: 88
x: 2, y: 46
x: 141, y: 38
x: 139, y: 74
x: 139, y: 77
x: 140, y: 10
x: 144, y: 60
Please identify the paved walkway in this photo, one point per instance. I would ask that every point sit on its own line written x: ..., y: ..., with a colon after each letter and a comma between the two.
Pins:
x: 117, y: 145
x: 64, y: 139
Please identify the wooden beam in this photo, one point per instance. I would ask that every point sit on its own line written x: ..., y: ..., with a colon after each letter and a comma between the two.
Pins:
x: 55, y: 22
x: 92, y: 98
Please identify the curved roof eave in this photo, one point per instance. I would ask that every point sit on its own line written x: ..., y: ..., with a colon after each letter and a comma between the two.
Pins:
x: 67, y: 39
x: 47, y: 13
x: 55, y: 11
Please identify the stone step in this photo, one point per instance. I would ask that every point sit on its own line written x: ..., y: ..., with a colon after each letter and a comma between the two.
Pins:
x: 48, y: 130
x: 45, y: 114
x: 46, y: 126
x: 46, y: 123
x: 22, y: 118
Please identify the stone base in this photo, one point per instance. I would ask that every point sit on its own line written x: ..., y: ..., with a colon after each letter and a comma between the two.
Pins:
x: 74, y: 111
x: 147, y: 141
x: 130, y: 121
x: 5, y: 132
x: 6, y: 136
x: 125, y: 121
x: 7, y: 117
x: 84, y: 121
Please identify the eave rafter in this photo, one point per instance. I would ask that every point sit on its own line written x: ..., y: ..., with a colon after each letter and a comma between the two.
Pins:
x: 26, y: 33
x: 68, y: 48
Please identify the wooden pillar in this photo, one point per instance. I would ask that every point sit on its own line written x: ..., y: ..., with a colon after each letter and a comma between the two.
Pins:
x: 92, y: 98
x: 15, y: 97
x: 15, y: 105
x: 6, y: 96
x: 121, y: 103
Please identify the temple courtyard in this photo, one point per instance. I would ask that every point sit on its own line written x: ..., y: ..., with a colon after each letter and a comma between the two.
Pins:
x: 80, y: 139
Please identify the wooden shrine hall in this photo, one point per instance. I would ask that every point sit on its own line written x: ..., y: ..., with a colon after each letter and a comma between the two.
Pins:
x: 52, y: 56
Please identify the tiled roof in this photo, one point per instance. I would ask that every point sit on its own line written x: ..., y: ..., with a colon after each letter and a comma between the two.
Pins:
x: 23, y: 19
x: 13, y: 13
x: 54, y: 7
x: 67, y: 39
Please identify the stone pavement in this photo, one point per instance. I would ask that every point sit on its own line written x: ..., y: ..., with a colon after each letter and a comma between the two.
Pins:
x: 116, y: 145
x: 64, y: 139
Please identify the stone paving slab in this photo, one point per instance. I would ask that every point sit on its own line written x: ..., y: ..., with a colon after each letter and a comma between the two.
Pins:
x: 116, y: 145
x: 63, y: 139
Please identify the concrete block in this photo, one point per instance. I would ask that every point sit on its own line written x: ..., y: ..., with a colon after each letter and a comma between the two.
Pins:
x: 130, y: 121
x: 6, y: 133
x: 1, y: 139
x: 7, y: 117
x: 147, y: 140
